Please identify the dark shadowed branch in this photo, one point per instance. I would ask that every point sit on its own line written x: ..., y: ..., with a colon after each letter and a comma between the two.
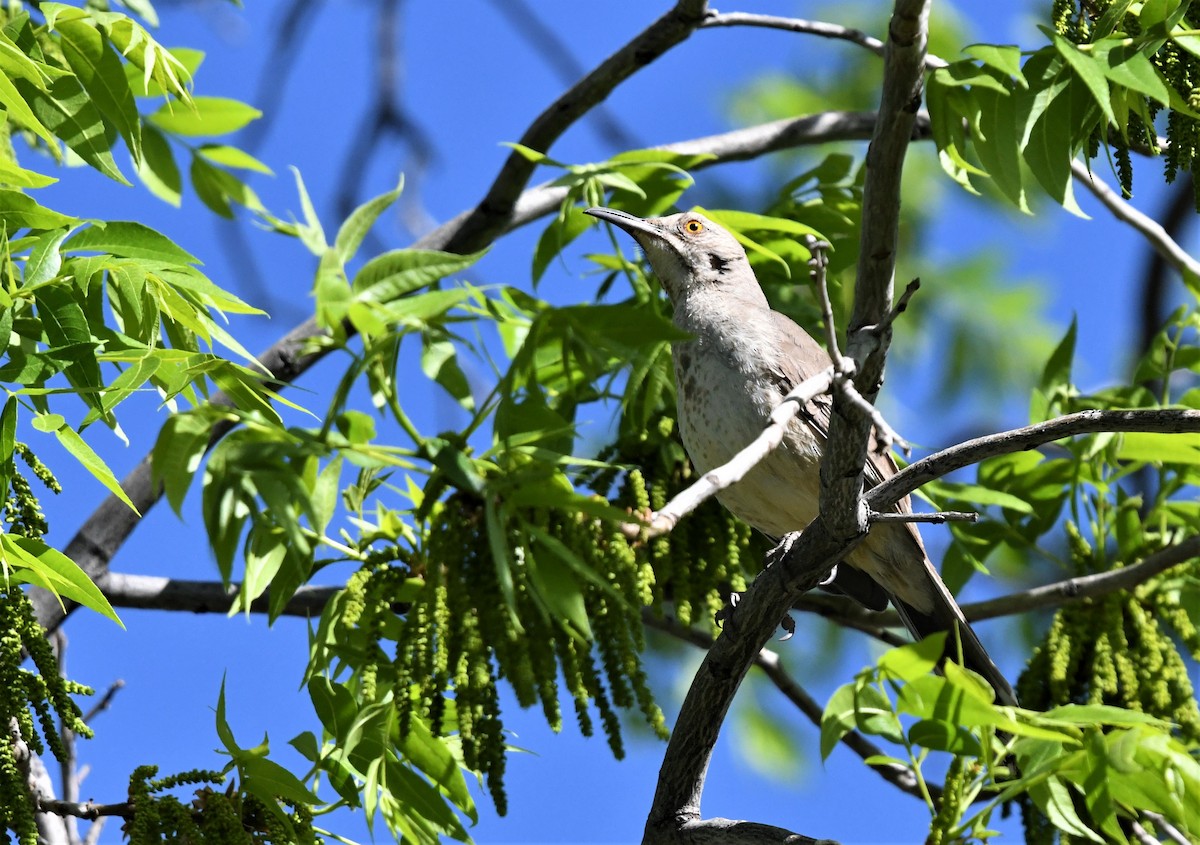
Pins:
x: 771, y: 665
x: 675, y: 815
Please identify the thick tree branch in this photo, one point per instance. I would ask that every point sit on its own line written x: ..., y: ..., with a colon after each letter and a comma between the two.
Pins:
x: 842, y: 521
x: 768, y: 661
x: 84, y: 809
x: 151, y: 592
x: 490, y: 218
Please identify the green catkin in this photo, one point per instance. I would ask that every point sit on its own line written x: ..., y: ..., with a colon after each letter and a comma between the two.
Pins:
x: 576, y: 685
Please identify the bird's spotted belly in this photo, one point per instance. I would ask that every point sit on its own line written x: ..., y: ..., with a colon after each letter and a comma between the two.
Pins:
x: 720, y: 414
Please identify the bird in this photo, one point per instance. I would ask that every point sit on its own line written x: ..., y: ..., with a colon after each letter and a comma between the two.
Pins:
x: 740, y: 359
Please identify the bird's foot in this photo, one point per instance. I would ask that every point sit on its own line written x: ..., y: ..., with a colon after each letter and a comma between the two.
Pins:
x: 725, y: 614
x: 725, y: 619
x: 781, y: 549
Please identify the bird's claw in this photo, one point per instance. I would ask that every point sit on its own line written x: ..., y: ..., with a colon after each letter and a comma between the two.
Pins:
x: 829, y: 578
x: 781, y: 549
x: 725, y: 614
x: 789, y: 626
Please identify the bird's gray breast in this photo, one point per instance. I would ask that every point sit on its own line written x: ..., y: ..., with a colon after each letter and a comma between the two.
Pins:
x: 723, y: 406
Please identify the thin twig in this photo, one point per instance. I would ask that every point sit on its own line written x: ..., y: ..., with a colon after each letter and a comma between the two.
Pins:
x: 1158, y: 237
x: 807, y: 27
x: 1166, y: 828
x: 819, y: 250
x: 105, y: 701
x: 936, y: 518
x: 1086, y: 586
x: 1163, y: 420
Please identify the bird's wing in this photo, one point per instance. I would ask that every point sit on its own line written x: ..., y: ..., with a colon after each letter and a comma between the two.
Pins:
x: 800, y: 357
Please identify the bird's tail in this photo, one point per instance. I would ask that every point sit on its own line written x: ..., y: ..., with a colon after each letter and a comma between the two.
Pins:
x: 945, y: 615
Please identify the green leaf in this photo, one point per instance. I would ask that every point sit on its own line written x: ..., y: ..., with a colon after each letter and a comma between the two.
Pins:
x: 335, y: 707
x: 18, y: 177
x: 206, y: 116
x: 8, y: 443
x: 568, y: 225
x: 981, y: 495
x: 1053, y: 798
x: 914, y: 660
x: 1057, y: 114
x: 838, y: 719
x: 1089, y: 71
x: 131, y: 240
x: 53, y: 570
x: 439, y: 362
x: 219, y: 189
x: 157, y: 169
x: 22, y: 114
x: 1126, y: 65
x: 67, y: 110
x: 393, y: 274
x: 67, y: 329
x: 942, y: 736
x: 92, y: 462
x: 1090, y: 714
x: 360, y: 221
x: 48, y: 422
x: 102, y: 74
x: 186, y: 62
x: 502, y: 560
x: 45, y: 260
x: 1157, y: 448
x: 20, y: 211
x: 431, y: 755
x: 1005, y: 58
x: 228, y: 156
x: 997, y: 142
x: 264, y: 555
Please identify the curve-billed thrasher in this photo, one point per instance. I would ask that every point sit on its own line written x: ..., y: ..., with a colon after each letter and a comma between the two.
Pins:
x: 741, y: 361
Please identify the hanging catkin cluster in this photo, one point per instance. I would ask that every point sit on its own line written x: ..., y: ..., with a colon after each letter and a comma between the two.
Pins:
x: 216, y: 816
x: 459, y: 630
x: 1114, y: 650
x: 460, y: 636
x: 1075, y: 20
x: 30, y: 700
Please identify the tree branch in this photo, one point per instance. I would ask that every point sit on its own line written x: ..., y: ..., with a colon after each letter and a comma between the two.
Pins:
x: 490, y: 218
x: 1158, y: 237
x: 84, y: 809
x: 1164, y: 420
x: 151, y: 592
x: 842, y: 520
x: 1086, y: 586
x: 768, y: 661
x: 807, y: 27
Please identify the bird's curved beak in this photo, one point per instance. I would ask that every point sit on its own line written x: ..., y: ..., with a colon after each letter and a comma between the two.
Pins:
x: 624, y: 220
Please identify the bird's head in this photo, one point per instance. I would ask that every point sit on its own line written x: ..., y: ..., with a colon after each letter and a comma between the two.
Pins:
x: 686, y: 251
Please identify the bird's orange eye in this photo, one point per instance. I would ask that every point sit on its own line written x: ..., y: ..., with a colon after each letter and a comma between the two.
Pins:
x: 693, y: 227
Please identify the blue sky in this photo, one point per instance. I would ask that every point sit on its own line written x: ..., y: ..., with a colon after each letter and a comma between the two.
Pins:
x: 470, y: 82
